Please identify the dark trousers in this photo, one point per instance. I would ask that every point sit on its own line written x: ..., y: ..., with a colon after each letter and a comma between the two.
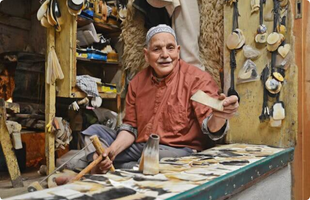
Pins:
x: 132, y: 153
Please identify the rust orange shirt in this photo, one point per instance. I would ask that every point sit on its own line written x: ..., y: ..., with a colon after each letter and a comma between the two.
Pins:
x: 164, y: 107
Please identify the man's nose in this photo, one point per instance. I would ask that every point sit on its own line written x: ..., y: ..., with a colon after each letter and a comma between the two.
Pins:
x: 164, y: 53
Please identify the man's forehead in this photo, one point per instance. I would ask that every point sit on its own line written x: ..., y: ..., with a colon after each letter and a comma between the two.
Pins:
x: 163, y: 38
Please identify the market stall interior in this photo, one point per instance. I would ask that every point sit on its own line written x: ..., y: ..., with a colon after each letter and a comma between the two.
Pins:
x: 66, y: 65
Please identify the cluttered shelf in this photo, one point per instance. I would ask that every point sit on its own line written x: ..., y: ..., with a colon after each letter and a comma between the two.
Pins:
x: 108, y: 64
x: 100, y: 26
x: 77, y: 93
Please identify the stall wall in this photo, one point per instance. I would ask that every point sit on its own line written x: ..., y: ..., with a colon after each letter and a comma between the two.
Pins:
x: 246, y: 127
x: 19, y: 28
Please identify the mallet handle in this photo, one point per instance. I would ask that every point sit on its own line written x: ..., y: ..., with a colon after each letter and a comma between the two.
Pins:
x: 99, y: 149
x: 88, y: 168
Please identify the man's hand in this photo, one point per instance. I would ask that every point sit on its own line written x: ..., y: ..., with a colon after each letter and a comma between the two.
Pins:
x: 230, y: 105
x: 104, y: 166
x: 219, y: 118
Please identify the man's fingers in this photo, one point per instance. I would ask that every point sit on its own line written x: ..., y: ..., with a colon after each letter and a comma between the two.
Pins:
x: 222, y: 96
x: 105, y: 164
x: 228, y: 109
x: 231, y: 107
x: 110, y: 153
x: 226, y: 113
x: 230, y: 100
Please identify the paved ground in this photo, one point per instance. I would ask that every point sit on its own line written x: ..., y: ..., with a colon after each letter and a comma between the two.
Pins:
x: 6, y: 189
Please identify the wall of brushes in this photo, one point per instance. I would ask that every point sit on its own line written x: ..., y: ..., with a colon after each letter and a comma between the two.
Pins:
x: 269, y: 38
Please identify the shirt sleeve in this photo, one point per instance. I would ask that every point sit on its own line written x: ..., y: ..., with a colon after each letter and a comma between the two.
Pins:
x: 130, y: 119
x: 129, y: 128
x: 207, y: 84
x: 203, y: 113
x: 214, y: 136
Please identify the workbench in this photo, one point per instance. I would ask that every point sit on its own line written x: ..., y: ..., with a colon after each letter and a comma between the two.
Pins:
x: 239, y: 171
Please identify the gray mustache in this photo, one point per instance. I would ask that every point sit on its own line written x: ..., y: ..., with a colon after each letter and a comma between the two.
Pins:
x: 164, y: 60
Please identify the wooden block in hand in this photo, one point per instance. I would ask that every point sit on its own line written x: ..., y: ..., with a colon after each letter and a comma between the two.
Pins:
x: 205, y: 99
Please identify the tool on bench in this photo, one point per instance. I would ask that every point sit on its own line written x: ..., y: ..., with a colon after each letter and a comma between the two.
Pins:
x: 37, y: 185
x: 99, y: 149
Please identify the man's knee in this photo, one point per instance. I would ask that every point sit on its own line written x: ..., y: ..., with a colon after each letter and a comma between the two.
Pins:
x: 105, y: 133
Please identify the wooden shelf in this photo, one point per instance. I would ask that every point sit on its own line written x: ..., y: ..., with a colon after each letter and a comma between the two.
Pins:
x: 77, y: 93
x: 96, y: 61
x: 82, y: 21
x: 100, y: 27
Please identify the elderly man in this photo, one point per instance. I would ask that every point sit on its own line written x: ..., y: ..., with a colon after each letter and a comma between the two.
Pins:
x: 158, y: 101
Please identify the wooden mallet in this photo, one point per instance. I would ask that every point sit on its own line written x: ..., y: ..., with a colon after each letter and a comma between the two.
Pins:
x: 99, y: 150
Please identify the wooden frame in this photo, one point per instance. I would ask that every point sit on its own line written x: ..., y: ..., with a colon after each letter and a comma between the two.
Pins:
x: 301, y: 164
x: 50, y: 110
x: 301, y: 177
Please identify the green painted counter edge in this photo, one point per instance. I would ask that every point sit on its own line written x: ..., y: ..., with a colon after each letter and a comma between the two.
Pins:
x: 226, y: 185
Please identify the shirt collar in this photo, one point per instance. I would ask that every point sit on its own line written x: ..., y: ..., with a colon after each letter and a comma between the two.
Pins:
x: 168, y: 78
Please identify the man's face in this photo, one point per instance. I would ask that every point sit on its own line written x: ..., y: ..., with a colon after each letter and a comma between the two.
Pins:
x: 162, y: 53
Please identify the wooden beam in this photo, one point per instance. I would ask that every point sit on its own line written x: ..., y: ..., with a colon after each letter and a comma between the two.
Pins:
x: 7, y: 149
x: 301, y: 179
x: 297, y: 164
x: 305, y: 97
x: 66, y: 50
x: 50, y: 100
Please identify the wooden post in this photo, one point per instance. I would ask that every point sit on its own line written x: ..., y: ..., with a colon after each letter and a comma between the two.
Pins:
x: 301, y: 179
x: 7, y: 149
x: 64, y: 43
x: 65, y: 48
x: 50, y: 100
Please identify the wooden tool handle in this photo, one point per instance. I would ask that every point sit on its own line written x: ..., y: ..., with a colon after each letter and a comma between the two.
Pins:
x: 99, y: 149
x: 88, y: 168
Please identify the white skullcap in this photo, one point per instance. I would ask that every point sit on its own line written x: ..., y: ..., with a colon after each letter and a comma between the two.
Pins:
x: 161, y: 28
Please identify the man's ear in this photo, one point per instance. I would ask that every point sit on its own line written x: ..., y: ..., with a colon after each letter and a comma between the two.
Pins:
x: 146, y: 55
x: 179, y: 49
